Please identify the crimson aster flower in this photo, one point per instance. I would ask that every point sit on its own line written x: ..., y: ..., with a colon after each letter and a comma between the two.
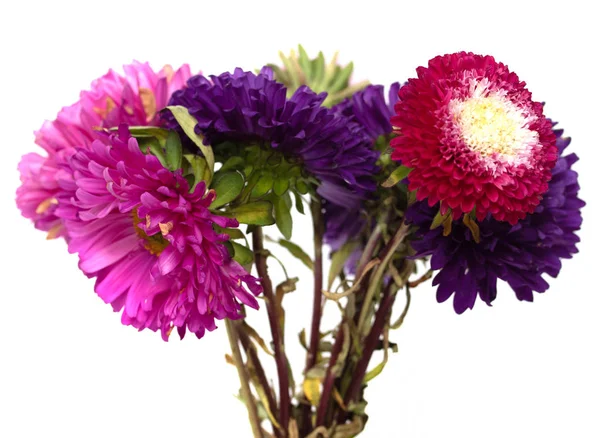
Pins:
x: 519, y: 254
x: 150, y: 243
x: 474, y: 138
x: 134, y: 98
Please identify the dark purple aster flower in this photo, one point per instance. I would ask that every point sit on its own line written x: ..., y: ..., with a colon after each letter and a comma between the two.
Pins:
x: 369, y: 109
x: 518, y: 254
x: 370, y: 115
x: 249, y: 107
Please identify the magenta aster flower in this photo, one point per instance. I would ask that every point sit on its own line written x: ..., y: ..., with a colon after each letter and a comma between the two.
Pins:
x: 149, y: 242
x: 113, y: 99
x: 474, y: 138
x: 36, y: 197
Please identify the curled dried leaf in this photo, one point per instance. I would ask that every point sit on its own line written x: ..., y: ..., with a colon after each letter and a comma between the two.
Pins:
x: 355, y: 286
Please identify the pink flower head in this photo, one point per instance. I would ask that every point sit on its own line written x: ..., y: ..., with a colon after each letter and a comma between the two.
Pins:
x: 150, y: 242
x: 134, y: 99
x: 36, y: 197
x: 113, y: 99
x: 474, y: 138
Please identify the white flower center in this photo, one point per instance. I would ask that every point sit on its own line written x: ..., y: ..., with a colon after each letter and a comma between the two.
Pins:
x: 492, y: 125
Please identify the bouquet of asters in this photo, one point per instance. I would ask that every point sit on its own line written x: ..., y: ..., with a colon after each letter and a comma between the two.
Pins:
x: 164, y: 184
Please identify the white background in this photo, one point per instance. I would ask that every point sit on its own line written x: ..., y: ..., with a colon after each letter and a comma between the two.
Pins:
x: 68, y: 368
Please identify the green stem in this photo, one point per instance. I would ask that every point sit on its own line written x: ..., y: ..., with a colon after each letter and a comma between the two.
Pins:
x: 244, y: 379
x: 386, y: 256
x: 261, y: 377
x: 370, y: 343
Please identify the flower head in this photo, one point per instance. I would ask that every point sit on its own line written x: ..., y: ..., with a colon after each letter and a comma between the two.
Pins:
x: 369, y: 108
x: 247, y: 107
x: 518, y: 254
x: 474, y: 138
x: 113, y: 99
x: 36, y: 197
x: 369, y: 115
x: 149, y: 242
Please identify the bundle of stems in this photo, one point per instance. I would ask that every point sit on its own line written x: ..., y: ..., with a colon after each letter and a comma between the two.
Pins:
x: 330, y: 401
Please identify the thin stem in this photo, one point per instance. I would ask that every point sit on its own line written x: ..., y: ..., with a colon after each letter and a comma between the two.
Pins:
x: 371, y: 342
x: 369, y: 250
x: 276, y: 331
x: 244, y: 380
x: 250, y: 350
x: 385, y: 257
x: 329, y: 380
x: 315, y: 334
x: 426, y: 276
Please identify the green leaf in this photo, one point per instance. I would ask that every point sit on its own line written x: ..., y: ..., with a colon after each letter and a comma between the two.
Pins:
x: 199, y: 169
x: 396, y: 176
x: 439, y: 219
x: 305, y: 63
x: 302, y: 339
x: 291, y: 71
x: 375, y: 371
x: 283, y: 217
x: 253, y: 213
x: 319, y: 72
x: 299, y: 203
x: 412, y: 197
x: 331, y: 69
x: 173, y: 151
x: 341, y: 81
x: 228, y: 186
x: 263, y: 185
x: 280, y: 74
x: 302, y: 187
x: 297, y: 252
x: 243, y: 255
x: 472, y: 225
x: 152, y: 145
x: 233, y: 233
x: 338, y: 260
x: 347, y: 92
x: 187, y: 123
x: 280, y: 186
x: 160, y: 134
x: 233, y: 163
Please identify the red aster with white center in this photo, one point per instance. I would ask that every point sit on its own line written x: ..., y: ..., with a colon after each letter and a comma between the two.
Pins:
x: 474, y: 138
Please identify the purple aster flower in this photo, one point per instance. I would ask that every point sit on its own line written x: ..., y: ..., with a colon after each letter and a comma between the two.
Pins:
x: 369, y: 114
x: 149, y: 242
x: 249, y: 107
x: 518, y: 254
x: 370, y: 110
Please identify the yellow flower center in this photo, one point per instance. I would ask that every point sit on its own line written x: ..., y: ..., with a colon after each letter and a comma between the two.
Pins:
x: 489, y: 123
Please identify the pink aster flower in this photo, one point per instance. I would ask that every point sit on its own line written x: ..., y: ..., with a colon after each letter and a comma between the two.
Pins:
x: 149, y: 242
x: 474, y: 138
x: 113, y: 99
